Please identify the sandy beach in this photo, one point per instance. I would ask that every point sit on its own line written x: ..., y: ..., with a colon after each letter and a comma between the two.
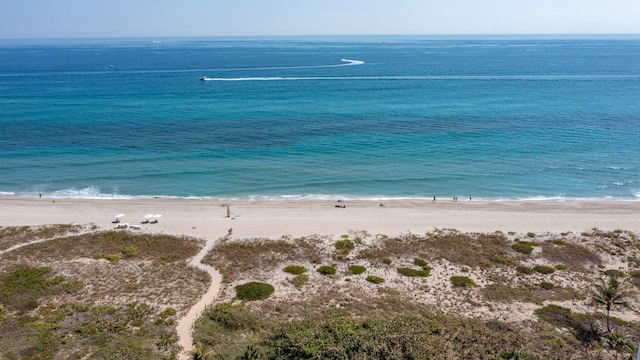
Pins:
x: 273, y: 219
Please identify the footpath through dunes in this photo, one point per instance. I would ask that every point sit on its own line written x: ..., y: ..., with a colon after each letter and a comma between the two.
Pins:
x: 184, y: 328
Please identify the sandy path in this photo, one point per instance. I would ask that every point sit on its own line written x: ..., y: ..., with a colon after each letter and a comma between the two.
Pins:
x: 185, y: 324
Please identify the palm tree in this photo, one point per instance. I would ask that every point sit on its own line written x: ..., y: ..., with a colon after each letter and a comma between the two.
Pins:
x: 609, y: 293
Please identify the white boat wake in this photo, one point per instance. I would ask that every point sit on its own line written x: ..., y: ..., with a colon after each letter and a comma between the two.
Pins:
x: 347, y: 62
x: 351, y: 62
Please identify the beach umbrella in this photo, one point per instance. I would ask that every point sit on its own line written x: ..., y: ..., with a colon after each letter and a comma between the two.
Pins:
x: 157, y: 216
x: 119, y: 216
x: 149, y: 216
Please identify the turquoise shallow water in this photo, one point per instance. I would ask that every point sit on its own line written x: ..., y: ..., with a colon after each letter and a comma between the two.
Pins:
x: 367, y: 117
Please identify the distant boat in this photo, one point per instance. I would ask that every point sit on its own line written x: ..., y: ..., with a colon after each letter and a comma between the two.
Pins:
x: 203, y: 78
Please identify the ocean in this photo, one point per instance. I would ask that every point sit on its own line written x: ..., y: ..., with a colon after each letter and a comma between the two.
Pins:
x: 369, y: 117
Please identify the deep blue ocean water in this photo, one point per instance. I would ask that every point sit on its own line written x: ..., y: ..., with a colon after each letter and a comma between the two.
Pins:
x: 406, y: 117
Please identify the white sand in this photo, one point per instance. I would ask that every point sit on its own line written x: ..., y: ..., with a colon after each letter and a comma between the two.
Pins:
x: 273, y: 219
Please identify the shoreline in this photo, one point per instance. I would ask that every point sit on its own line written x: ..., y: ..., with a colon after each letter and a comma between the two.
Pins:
x: 277, y: 218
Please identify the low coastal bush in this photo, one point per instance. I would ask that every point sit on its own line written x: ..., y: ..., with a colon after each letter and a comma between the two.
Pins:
x: 560, y: 267
x: 300, y: 280
x: 344, y: 247
x: 544, y: 269
x: 462, y: 282
x: 357, y: 269
x: 166, y: 313
x: 3, y: 311
x: 521, y: 269
x: 295, y: 269
x: 327, y: 270
x: 522, y: 247
x: 531, y: 234
x: 387, y: 261
x: 559, y: 242
x: 413, y: 272
x: 130, y: 250
x: 374, y: 279
x: 254, y: 291
x: 614, y: 273
x: 420, y: 262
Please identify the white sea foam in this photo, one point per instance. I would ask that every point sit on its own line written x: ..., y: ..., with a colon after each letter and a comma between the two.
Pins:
x: 91, y: 192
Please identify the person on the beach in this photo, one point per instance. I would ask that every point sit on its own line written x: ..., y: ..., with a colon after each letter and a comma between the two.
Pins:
x: 230, y: 231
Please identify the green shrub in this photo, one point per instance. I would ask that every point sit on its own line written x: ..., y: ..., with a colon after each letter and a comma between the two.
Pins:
x: 327, y: 270
x: 614, y: 272
x: 499, y: 232
x: 130, y: 250
x: 168, y: 312
x: 555, y: 314
x: 387, y: 261
x: 544, y: 269
x: 560, y: 267
x: 521, y: 269
x: 300, y: 280
x: 462, y: 282
x: 3, y: 311
x: 231, y: 317
x: 295, y: 269
x: 344, y: 244
x: 357, y: 269
x: 420, y: 262
x: 634, y: 273
x: 414, y: 272
x: 522, y: 248
x: 374, y: 279
x: 531, y: 234
x: 559, y: 242
x: 511, y: 233
x: 254, y: 291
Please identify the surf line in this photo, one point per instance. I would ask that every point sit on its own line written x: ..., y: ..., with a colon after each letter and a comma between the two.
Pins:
x: 349, y: 62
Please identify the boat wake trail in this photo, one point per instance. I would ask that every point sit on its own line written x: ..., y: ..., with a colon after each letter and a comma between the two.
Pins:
x: 351, y: 62
x: 346, y: 62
